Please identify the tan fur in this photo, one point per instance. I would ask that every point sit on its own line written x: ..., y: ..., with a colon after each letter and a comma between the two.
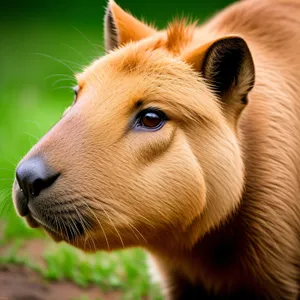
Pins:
x: 213, y: 195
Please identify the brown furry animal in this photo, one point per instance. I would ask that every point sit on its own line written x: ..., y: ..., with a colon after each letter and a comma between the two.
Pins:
x: 167, y: 149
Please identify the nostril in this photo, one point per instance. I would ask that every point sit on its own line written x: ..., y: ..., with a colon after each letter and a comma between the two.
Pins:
x: 33, y: 176
x: 36, y: 187
x: 40, y: 184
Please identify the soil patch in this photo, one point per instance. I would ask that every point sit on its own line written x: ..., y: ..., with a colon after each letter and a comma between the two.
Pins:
x: 21, y: 283
x: 18, y: 282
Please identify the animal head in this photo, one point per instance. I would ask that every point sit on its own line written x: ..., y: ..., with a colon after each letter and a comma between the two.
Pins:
x: 148, y: 152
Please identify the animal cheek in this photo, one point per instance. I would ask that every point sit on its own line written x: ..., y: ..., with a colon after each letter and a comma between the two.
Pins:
x: 173, y: 189
x: 150, y: 146
x: 152, y: 151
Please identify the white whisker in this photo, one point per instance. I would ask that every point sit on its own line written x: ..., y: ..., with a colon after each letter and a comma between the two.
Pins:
x: 55, y: 59
x: 60, y: 80
x: 132, y: 227
x: 112, y: 223
x: 85, y: 228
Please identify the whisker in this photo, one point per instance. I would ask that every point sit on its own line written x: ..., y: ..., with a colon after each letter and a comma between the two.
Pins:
x: 82, y: 224
x: 74, y: 230
x: 86, y: 38
x: 5, y: 209
x: 64, y: 230
x: 85, y: 228
x: 3, y: 192
x: 90, y: 236
x: 78, y: 52
x: 71, y: 62
x: 55, y: 223
x: 97, y: 219
x: 55, y: 59
x: 77, y: 232
x: 121, y: 240
x: 60, y: 80
x: 6, y: 205
x: 64, y: 87
x: 7, y: 190
x: 149, y: 222
x: 36, y: 124
x: 59, y: 224
x: 61, y: 75
x: 14, y: 165
x: 132, y: 227
x: 31, y: 135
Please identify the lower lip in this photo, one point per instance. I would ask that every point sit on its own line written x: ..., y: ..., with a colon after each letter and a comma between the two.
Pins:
x: 55, y: 235
x: 41, y: 223
x: 31, y: 221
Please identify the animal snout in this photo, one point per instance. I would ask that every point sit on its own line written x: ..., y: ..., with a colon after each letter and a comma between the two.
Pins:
x: 33, y: 176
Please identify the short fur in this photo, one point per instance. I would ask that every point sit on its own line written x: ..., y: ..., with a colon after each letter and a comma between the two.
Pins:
x: 213, y: 196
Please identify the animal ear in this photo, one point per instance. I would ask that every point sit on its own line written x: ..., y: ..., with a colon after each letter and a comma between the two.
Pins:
x: 121, y: 27
x: 227, y: 66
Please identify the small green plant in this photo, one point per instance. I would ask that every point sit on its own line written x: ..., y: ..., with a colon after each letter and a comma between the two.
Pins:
x: 123, y: 270
x: 86, y: 298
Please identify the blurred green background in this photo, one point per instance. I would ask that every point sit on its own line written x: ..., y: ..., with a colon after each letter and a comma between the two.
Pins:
x: 42, y: 44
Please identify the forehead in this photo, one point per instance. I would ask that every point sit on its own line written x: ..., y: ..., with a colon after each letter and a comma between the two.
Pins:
x: 148, y: 71
x: 129, y: 61
x: 136, y: 70
x: 150, y: 54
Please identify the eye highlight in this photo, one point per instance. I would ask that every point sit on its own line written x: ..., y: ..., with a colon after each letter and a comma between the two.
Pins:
x: 150, y: 119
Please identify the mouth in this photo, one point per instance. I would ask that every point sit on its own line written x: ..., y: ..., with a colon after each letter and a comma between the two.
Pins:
x: 58, y: 226
x: 34, y: 223
x: 68, y: 230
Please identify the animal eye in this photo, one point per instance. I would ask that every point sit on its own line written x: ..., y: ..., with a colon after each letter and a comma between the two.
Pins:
x: 151, y: 119
x: 75, y: 89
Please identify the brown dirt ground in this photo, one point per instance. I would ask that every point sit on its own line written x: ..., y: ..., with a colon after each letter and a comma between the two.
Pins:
x: 21, y: 283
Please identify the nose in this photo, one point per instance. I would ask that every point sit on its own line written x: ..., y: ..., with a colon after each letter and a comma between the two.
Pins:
x: 33, y: 176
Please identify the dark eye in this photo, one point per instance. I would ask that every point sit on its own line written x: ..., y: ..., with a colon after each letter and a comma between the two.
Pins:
x: 75, y: 89
x: 151, y: 119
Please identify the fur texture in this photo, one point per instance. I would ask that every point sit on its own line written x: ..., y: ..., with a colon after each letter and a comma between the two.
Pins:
x: 213, y: 196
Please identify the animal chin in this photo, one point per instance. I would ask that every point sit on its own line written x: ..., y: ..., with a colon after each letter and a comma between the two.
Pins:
x: 31, y: 221
x: 54, y: 235
x: 68, y: 231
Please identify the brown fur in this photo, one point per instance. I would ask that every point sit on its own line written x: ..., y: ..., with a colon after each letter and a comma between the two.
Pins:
x: 214, y: 195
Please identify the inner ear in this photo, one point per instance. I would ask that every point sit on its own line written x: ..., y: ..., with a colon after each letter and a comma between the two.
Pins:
x: 228, y: 68
x: 110, y: 33
x: 121, y: 27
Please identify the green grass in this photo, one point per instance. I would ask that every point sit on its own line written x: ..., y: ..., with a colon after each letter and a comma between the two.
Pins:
x: 125, y: 270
